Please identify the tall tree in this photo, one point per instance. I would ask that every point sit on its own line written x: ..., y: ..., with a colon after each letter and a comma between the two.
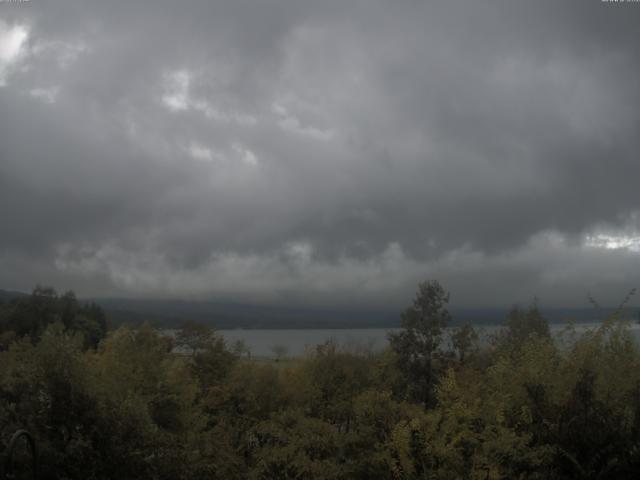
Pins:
x: 463, y: 340
x: 418, y: 342
x: 194, y: 336
x: 520, y: 325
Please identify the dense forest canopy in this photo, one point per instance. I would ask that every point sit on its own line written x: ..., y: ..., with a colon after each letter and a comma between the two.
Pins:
x: 31, y: 315
x: 123, y: 404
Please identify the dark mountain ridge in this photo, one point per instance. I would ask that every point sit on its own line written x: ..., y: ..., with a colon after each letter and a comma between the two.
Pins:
x: 228, y: 315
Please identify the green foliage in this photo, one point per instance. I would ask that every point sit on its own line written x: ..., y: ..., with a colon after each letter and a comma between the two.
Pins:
x: 520, y: 325
x: 29, y: 316
x: 417, y: 344
x: 194, y: 336
x: 45, y: 389
x: 464, y: 341
x: 296, y: 446
x: 336, y: 379
x: 527, y: 407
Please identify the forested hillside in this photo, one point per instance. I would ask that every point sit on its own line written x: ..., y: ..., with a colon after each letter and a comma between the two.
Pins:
x: 124, y: 405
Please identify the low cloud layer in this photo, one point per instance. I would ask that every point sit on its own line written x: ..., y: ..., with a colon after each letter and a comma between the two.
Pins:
x: 321, y: 152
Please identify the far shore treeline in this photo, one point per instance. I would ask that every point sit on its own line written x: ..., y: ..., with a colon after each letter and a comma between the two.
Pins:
x: 172, y: 313
x: 106, y: 401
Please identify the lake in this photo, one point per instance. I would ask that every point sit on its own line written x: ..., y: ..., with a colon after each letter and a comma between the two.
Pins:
x: 297, y: 341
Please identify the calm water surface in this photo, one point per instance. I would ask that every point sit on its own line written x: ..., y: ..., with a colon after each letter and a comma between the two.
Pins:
x: 296, y: 342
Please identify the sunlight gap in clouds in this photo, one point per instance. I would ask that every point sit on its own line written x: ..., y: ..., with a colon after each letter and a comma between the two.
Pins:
x: 12, y: 40
x: 614, y: 242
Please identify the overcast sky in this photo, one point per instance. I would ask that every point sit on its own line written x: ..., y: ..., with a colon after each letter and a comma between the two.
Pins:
x: 321, y: 152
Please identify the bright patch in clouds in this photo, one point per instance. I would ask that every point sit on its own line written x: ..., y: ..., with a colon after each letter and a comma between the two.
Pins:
x: 179, y: 98
x: 292, y: 124
x: 12, y: 40
x: 614, y: 242
x: 246, y: 155
x: 176, y: 97
x: 229, y: 117
x: 203, y: 153
x: 200, y: 152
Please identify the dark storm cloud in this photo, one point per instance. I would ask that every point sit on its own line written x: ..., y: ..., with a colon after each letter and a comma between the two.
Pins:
x: 308, y: 149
